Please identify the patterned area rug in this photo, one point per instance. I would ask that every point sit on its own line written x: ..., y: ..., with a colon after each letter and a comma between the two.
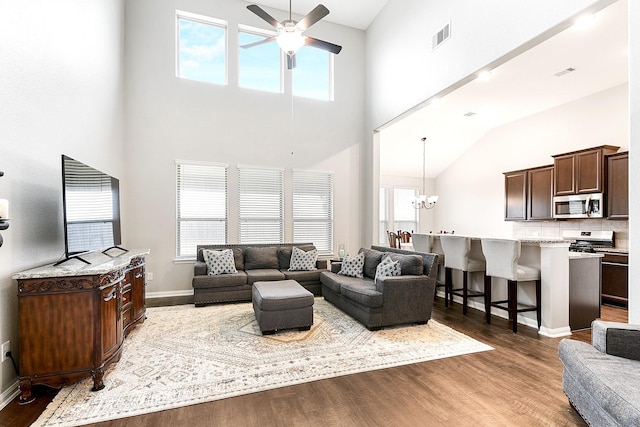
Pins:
x: 184, y: 355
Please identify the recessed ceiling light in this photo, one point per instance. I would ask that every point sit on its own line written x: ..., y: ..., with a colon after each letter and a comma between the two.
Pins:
x: 564, y: 72
x: 484, y: 75
x: 469, y: 114
x: 585, y: 21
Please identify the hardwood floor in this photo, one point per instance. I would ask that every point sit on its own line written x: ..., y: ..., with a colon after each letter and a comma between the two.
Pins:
x: 517, y: 384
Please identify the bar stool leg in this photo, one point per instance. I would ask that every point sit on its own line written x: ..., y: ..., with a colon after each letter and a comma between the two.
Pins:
x: 487, y: 297
x: 465, y: 291
x: 538, y: 299
x: 447, y: 285
x: 513, y: 304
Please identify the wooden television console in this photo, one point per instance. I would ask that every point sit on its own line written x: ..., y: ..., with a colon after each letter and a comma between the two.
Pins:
x: 72, y: 319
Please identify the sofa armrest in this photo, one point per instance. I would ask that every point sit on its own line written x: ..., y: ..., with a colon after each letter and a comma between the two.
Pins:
x: 336, y: 267
x: 616, y: 339
x: 321, y: 264
x: 396, y: 283
x: 199, y: 268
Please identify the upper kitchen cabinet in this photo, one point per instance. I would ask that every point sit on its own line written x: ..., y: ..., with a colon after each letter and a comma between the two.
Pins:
x: 617, y: 166
x: 529, y: 194
x: 581, y: 172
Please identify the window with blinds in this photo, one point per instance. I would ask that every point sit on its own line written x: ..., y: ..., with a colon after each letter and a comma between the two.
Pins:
x: 313, y: 209
x: 261, y: 205
x: 201, y: 203
x: 405, y: 216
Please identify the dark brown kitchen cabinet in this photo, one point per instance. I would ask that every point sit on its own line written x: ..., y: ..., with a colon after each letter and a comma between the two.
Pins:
x: 529, y: 194
x: 618, y: 185
x: 515, y: 190
x: 581, y: 172
x: 615, y: 279
x: 540, y: 193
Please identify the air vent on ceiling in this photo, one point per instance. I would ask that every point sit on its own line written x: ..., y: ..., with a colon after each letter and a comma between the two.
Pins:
x: 469, y: 114
x: 441, y: 36
x: 564, y: 72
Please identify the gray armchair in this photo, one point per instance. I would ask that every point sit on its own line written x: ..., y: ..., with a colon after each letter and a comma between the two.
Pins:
x: 602, y: 380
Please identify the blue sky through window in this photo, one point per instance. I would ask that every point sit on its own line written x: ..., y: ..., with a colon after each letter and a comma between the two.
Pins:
x: 202, y: 51
x: 312, y: 77
x: 259, y: 65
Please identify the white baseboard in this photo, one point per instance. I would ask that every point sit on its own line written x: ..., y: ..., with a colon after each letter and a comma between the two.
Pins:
x: 169, y: 294
x: 9, y: 394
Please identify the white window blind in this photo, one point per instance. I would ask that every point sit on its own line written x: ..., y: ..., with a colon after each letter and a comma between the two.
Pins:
x: 313, y: 209
x: 201, y: 204
x: 261, y: 199
x: 405, y: 216
x: 384, y: 216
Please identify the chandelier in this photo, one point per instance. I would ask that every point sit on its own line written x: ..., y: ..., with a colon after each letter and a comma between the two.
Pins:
x: 423, y: 201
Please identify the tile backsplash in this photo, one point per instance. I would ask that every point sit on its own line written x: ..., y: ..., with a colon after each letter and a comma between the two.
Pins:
x: 555, y: 228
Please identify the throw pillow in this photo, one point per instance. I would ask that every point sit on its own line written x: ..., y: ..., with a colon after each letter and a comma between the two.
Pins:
x: 219, y: 262
x: 387, y: 268
x: 352, y: 266
x: 303, y: 261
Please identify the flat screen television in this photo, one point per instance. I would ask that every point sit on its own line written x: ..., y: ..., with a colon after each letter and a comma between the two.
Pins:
x: 91, y: 207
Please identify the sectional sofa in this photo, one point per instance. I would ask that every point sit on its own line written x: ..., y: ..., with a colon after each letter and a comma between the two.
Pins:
x: 253, y: 262
x: 407, y: 298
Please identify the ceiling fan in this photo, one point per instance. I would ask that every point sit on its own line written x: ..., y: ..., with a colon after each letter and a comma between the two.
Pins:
x: 290, y: 37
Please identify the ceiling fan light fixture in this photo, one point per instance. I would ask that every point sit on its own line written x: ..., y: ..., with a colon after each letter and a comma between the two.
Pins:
x: 290, y: 39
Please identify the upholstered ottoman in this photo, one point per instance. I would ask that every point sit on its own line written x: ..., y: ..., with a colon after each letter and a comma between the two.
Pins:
x: 282, y: 304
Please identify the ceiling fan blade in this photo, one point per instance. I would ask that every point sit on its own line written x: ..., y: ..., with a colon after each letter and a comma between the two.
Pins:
x: 312, y: 17
x: 291, y: 62
x: 321, y: 44
x: 258, y: 43
x: 264, y: 15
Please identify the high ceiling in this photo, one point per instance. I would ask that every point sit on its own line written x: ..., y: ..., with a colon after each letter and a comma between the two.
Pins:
x: 353, y: 13
x: 516, y: 89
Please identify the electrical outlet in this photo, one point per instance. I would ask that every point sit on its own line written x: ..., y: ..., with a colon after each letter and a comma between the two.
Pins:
x: 6, y: 348
x: 149, y: 276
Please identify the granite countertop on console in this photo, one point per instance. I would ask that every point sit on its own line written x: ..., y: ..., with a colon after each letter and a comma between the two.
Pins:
x: 100, y: 264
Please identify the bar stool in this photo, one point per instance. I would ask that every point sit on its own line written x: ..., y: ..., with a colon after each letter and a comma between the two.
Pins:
x: 456, y: 256
x: 425, y: 243
x: 502, y: 257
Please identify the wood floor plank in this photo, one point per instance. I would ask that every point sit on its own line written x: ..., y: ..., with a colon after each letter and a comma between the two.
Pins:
x: 519, y: 383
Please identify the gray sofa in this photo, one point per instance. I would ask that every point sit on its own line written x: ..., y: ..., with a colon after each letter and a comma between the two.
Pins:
x: 254, y: 262
x: 393, y: 300
x: 602, y: 380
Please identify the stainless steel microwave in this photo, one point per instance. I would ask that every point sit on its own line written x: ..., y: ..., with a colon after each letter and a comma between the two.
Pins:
x: 578, y: 206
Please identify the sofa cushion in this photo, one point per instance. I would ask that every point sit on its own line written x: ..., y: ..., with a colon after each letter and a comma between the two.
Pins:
x: 333, y: 281
x: 387, y: 268
x: 221, y: 280
x: 219, y: 262
x: 409, y: 264
x: 302, y: 276
x: 362, y: 292
x: 303, y: 260
x: 238, y: 257
x: 371, y: 260
x: 284, y: 255
x: 352, y: 266
x: 260, y: 258
x: 263, y: 274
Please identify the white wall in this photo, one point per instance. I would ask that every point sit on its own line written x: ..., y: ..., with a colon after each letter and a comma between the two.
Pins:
x: 61, y: 92
x: 471, y: 190
x: 170, y: 118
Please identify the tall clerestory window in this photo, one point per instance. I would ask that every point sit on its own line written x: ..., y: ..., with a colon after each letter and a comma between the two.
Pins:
x: 201, y: 48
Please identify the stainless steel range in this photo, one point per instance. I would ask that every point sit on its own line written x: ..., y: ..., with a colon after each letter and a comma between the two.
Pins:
x: 588, y: 240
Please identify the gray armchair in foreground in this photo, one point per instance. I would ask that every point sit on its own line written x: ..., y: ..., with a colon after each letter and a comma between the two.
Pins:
x: 602, y: 380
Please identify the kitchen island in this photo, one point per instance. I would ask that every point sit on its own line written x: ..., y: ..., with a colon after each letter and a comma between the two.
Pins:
x: 551, y: 256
